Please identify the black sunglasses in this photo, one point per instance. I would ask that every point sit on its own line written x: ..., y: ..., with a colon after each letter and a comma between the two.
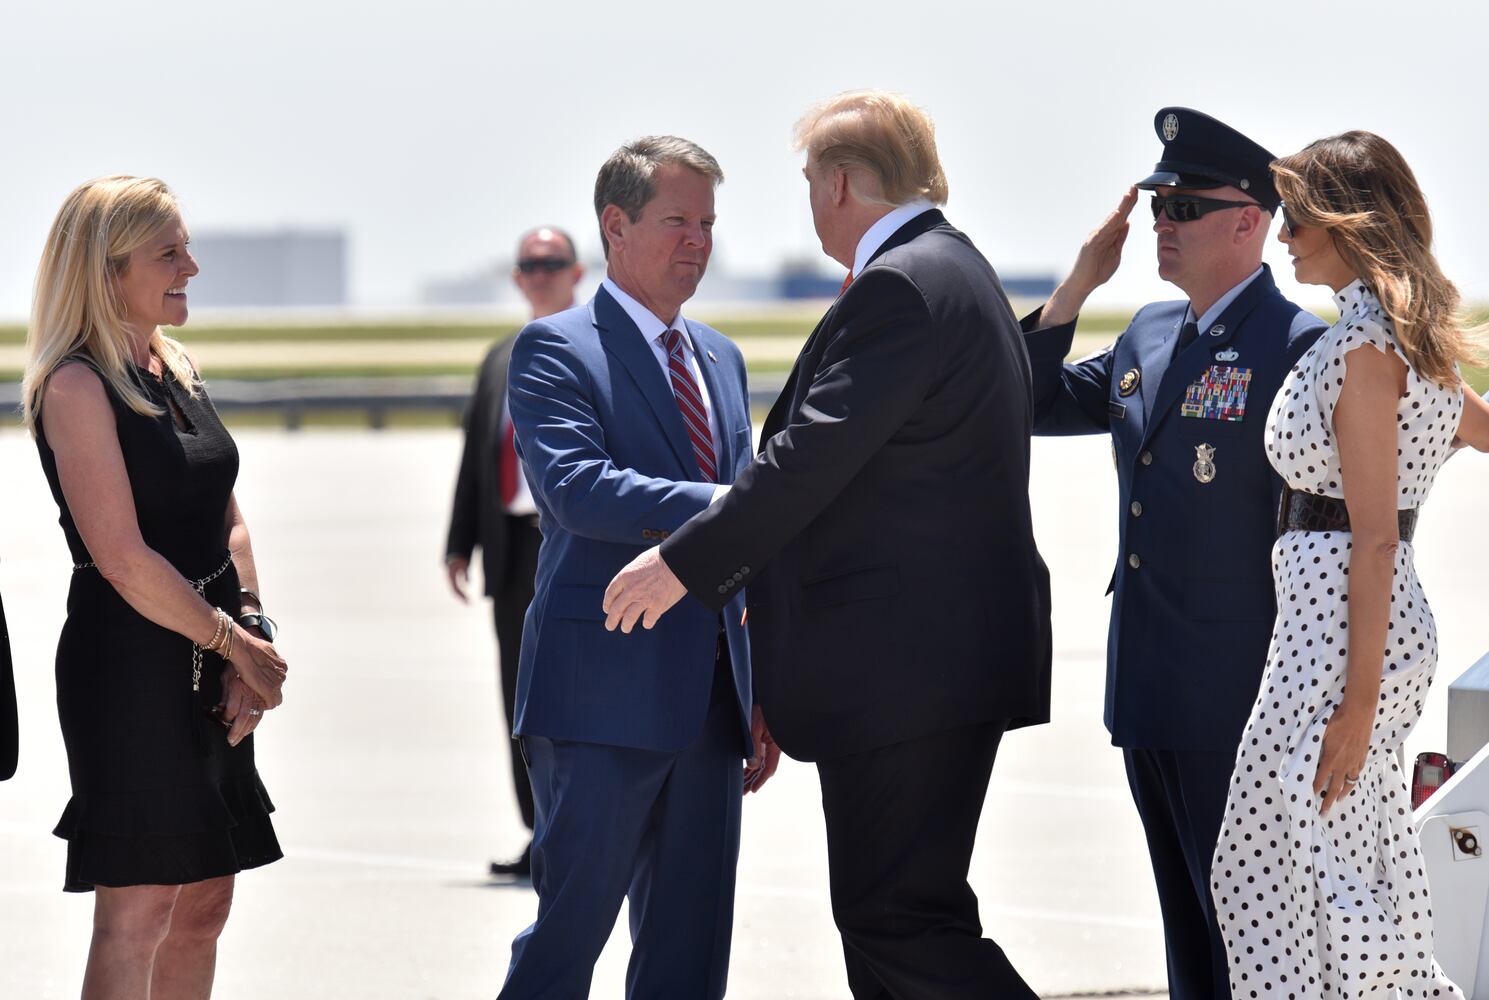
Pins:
x: 548, y: 265
x: 1188, y: 207
x: 1288, y: 222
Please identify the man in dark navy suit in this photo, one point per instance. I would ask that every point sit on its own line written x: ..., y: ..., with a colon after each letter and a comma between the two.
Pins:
x: 898, y: 606
x: 630, y: 419
x: 1184, y: 393
x: 9, y: 729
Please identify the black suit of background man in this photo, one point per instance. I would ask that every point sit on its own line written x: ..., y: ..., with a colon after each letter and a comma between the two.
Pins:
x: 546, y: 272
x: 898, y: 606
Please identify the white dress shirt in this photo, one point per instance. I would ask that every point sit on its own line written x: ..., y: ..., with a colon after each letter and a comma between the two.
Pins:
x: 1213, y: 313
x: 652, y: 329
x: 882, y: 230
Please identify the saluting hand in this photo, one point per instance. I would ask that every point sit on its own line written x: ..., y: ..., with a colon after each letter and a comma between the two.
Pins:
x: 1094, y: 266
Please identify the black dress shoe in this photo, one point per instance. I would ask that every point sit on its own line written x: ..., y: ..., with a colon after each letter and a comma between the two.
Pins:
x: 521, y: 868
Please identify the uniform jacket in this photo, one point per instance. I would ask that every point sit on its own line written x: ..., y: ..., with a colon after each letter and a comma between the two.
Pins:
x: 883, y: 531
x: 1193, y: 602
x: 612, y: 472
x: 478, y: 515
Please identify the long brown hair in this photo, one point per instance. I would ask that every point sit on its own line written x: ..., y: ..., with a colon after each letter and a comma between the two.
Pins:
x: 1358, y: 187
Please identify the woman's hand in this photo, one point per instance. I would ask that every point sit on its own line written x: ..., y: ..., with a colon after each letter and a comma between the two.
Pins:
x: 260, y: 666
x: 241, y: 706
x: 1346, y: 744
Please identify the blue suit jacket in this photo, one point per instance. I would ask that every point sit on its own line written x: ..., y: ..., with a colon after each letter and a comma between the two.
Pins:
x: 612, y: 471
x: 1194, y: 601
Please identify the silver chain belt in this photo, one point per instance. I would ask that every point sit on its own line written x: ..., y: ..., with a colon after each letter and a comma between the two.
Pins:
x: 200, y: 586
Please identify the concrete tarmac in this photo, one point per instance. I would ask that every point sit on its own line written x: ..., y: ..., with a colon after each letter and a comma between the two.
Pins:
x: 388, y: 762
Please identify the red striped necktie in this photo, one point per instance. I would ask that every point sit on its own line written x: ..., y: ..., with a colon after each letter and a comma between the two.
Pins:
x: 690, y: 405
x: 846, y: 282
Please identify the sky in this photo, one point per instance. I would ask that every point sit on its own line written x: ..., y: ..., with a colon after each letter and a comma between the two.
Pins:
x: 434, y: 133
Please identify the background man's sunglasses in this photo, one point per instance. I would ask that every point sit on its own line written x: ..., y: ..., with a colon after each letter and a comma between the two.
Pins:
x: 547, y: 265
x: 1188, y: 207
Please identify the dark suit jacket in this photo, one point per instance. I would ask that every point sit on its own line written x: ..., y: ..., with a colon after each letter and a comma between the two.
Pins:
x: 883, y: 531
x: 9, y: 729
x: 1192, y: 618
x: 478, y: 516
x: 612, y: 470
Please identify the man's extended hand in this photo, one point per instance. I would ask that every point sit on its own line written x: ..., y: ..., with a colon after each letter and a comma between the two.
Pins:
x: 1094, y: 265
x: 643, y: 591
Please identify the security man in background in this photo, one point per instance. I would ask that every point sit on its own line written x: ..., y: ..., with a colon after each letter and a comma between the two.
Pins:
x: 493, y: 508
x: 1184, y: 393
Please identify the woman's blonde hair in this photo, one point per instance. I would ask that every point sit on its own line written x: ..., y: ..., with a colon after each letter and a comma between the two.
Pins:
x: 882, y: 135
x: 78, y: 309
x: 1358, y: 187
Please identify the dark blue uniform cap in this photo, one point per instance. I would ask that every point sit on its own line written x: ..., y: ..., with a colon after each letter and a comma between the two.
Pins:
x: 1200, y: 152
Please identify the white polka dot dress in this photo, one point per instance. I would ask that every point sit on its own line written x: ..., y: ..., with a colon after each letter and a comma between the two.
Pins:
x: 1333, y: 907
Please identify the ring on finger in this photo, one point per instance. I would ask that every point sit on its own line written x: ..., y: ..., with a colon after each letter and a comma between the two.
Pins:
x: 255, y: 712
x: 1350, y: 779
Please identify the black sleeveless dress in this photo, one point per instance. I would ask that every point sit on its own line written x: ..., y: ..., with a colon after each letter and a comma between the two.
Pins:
x: 158, y: 795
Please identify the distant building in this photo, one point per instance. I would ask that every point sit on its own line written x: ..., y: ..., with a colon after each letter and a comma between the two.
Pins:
x: 289, y: 267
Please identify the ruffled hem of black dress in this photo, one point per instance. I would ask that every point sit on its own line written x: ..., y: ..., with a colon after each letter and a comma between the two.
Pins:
x: 168, y: 836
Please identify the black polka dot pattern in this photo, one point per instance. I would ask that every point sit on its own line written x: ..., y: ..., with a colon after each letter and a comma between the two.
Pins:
x: 1333, y: 907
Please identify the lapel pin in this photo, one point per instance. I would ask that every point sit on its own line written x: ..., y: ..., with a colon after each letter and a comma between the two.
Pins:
x: 712, y: 358
x: 1129, y: 382
x: 1229, y: 354
x: 1218, y: 330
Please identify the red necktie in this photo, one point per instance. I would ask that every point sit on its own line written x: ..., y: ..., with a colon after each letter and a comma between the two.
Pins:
x: 506, y: 464
x: 690, y: 405
x: 846, y: 282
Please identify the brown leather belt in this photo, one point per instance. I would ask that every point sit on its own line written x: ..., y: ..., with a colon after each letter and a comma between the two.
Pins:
x: 1301, y: 511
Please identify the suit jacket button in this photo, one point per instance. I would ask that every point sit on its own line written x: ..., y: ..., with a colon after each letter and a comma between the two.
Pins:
x: 723, y: 590
x: 1134, y: 561
x: 738, y: 577
x: 1136, y: 508
x: 745, y: 570
x: 1146, y: 458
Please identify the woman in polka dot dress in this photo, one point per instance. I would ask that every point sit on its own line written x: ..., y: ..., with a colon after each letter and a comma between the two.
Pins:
x: 1318, y: 879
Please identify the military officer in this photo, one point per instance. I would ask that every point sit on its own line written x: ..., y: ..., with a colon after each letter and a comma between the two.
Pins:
x: 1184, y: 393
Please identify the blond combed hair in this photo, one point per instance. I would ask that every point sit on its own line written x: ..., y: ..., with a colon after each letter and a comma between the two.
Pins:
x: 1358, y: 188
x: 78, y: 310
x: 878, y: 134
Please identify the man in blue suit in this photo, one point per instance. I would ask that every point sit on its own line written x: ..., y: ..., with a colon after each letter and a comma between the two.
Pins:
x: 629, y: 420
x: 1184, y: 393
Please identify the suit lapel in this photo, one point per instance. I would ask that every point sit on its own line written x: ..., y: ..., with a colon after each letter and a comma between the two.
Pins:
x: 624, y: 342
x: 1186, y: 368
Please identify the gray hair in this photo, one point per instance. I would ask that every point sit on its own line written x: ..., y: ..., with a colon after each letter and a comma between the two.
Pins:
x: 625, y: 180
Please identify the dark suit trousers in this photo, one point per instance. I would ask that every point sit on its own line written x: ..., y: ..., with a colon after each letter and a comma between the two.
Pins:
x: 661, y: 829
x: 509, y: 608
x: 901, y: 823
x: 1180, y: 796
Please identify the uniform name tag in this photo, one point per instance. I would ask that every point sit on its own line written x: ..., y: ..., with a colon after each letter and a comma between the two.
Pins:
x: 1220, y: 394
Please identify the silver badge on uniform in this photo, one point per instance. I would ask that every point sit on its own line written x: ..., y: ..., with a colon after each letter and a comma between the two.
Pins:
x: 1229, y: 354
x: 1204, y: 463
x: 1170, y: 127
x: 1218, y: 330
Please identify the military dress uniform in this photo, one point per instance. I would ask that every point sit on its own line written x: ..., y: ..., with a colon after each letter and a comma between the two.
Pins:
x: 1192, y: 590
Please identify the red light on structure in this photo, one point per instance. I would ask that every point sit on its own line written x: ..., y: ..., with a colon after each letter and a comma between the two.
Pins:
x: 1431, y: 772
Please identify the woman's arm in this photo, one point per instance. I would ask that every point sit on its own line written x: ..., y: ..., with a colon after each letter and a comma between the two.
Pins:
x: 1473, y: 428
x: 81, y: 429
x: 1365, y: 428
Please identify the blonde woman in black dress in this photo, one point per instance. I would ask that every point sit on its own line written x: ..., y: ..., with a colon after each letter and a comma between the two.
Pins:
x: 1318, y: 879
x: 162, y: 674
